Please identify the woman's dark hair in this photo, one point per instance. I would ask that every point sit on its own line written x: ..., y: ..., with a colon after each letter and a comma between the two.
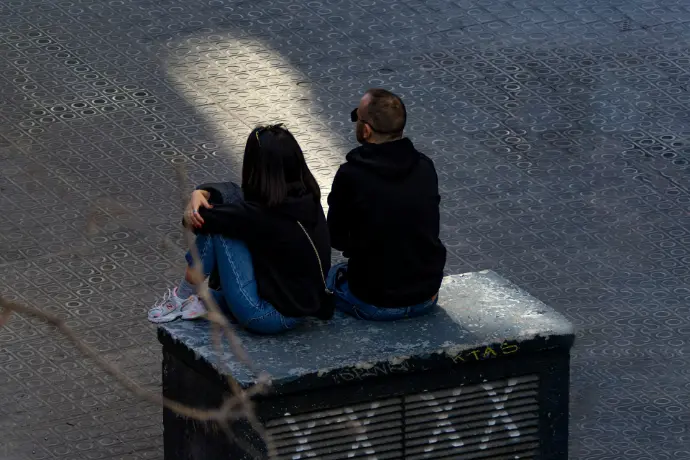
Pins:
x: 274, y: 167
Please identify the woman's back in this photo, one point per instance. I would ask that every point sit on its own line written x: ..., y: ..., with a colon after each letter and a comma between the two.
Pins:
x: 267, y: 241
x: 285, y: 266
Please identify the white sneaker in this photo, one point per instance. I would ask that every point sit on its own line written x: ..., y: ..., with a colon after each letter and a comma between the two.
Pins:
x: 193, y: 308
x: 169, y: 308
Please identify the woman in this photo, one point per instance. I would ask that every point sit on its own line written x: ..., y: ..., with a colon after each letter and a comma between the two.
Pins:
x: 268, y: 241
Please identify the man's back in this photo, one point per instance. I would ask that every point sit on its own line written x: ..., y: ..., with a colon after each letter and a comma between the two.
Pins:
x: 384, y: 215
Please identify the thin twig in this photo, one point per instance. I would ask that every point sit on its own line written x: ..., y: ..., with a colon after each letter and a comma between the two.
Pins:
x: 202, y: 290
x: 9, y: 306
x: 5, y: 316
x: 237, y: 406
x: 220, y: 323
x: 241, y: 443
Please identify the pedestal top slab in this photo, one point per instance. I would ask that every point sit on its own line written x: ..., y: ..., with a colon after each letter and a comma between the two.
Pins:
x: 480, y: 316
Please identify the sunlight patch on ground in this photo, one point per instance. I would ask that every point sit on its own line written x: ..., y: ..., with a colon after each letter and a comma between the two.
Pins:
x: 236, y: 84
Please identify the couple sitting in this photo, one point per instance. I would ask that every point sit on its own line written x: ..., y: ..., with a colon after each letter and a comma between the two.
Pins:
x: 269, y: 244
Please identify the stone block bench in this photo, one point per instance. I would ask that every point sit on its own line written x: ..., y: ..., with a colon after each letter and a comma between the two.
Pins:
x: 484, y: 377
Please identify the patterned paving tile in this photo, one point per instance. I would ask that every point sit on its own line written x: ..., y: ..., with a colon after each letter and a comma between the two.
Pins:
x: 560, y: 130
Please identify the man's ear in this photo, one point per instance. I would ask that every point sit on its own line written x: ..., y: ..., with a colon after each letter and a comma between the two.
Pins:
x: 367, y: 132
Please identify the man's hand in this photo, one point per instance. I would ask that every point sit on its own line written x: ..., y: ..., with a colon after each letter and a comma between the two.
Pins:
x: 191, y: 215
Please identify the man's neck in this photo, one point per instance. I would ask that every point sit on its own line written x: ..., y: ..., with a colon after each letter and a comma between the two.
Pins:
x: 384, y: 141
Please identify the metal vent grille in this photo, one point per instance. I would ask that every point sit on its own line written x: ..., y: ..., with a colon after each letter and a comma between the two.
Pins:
x: 496, y: 420
x: 370, y: 430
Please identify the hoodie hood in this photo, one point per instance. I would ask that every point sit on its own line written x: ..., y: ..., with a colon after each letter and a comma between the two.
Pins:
x: 395, y: 159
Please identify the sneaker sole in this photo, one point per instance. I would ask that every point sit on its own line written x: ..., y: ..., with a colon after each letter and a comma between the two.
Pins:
x: 189, y: 317
x: 165, y: 318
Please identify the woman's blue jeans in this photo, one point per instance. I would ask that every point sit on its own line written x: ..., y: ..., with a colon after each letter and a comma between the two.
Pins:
x: 238, y: 294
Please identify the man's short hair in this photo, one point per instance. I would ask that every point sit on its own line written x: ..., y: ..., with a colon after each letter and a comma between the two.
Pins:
x: 386, y: 112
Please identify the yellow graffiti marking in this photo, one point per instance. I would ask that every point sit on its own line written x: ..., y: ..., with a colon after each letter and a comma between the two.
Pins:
x: 488, y: 352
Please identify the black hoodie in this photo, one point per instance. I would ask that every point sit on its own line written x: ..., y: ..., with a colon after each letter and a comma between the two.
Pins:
x: 285, y: 265
x: 384, y: 216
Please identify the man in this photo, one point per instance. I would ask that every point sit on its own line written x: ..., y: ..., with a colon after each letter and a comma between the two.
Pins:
x: 384, y: 216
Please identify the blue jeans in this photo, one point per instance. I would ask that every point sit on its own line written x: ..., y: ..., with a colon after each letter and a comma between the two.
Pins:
x: 238, y: 295
x: 346, y: 302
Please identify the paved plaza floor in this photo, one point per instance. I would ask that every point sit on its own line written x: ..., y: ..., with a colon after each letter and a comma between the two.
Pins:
x: 560, y: 130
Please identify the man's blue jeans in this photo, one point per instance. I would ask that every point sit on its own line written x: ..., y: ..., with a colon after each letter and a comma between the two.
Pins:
x: 346, y: 302
x: 238, y: 295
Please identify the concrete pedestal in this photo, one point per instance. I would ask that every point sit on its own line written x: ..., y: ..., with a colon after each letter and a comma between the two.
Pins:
x: 484, y: 377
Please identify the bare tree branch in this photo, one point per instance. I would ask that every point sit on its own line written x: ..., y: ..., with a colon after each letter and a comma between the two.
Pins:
x: 237, y: 405
x: 9, y: 306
